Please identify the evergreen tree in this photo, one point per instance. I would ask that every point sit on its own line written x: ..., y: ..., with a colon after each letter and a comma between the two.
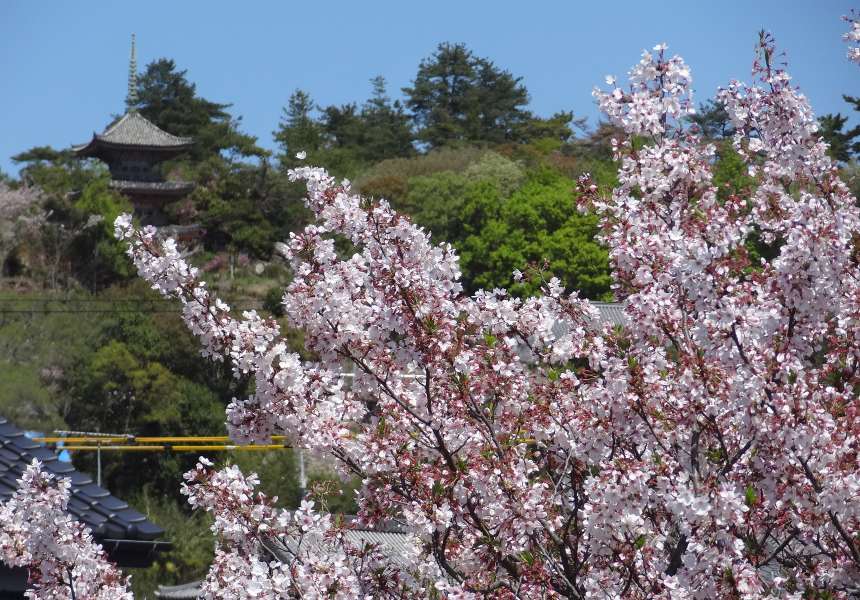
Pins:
x: 54, y: 170
x: 458, y: 98
x: 379, y: 131
x: 169, y: 101
x: 298, y: 130
x: 389, y: 127
x: 840, y: 141
x: 712, y: 121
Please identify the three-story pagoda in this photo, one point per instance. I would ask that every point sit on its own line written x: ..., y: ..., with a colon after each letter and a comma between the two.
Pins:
x: 132, y: 148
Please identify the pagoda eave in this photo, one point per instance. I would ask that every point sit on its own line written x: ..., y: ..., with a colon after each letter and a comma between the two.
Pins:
x: 149, y: 187
x: 99, y: 149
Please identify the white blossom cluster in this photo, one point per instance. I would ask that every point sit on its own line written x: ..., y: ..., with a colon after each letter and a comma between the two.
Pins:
x: 308, y: 555
x: 36, y: 533
x: 853, y: 36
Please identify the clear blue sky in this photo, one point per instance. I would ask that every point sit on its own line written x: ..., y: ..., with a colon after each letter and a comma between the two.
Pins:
x: 64, y: 65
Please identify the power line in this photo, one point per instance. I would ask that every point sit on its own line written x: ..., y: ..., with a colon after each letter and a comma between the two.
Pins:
x: 44, y: 306
x: 181, y: 447
x: 79, y: 437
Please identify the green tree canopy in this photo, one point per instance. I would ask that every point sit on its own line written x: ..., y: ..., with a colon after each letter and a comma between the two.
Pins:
x: 379, y: 131
x: 496, y: 235
x: 55, y: 171
x: 169, y: 101
x: 299, y: 131
x: 712, y: 121
x: 457, y: 97
x: 540, y: 222
x: 842, y: 143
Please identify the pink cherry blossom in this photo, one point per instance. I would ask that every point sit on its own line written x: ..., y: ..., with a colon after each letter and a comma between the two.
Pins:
x: 36, y: 533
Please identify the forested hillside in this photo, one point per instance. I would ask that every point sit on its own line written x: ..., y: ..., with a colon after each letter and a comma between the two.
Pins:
x: 85, y: 345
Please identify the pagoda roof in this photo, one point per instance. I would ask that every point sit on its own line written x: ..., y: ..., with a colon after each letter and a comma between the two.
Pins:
x: 133, y: 132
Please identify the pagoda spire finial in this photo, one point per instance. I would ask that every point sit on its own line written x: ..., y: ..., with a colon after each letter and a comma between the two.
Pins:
x: 131, y: 99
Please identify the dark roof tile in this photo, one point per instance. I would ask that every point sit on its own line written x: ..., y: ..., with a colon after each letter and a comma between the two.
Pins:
x: 77, y: 506
x: 131, y: 515
x: 24, y: 443
x: 43, y: 455
x: 77, y: 493
x: 59, y: 467
x: 77, y: 479
x: 111, y: 531
x: 94, y: 491
x: 8, y: 431
x: 93, y: 519
x: 107, y: 516
x: 113, y: 504
x: 10, y: 479
x: 148, y: 531
x: 125, y: 526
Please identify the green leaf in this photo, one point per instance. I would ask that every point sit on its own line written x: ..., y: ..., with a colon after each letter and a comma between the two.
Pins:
x: 438, y: 489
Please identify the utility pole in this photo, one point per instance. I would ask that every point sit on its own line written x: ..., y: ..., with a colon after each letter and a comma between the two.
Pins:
x: 303, y: 481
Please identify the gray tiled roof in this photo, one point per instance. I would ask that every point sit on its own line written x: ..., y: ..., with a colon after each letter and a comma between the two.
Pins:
x: 151, y: 186
x: 610, y: 312
x: 113, y: 523
x: 392, y: 540
x: 134, y: 130
x: 186, y: 591
x: 172, y: 230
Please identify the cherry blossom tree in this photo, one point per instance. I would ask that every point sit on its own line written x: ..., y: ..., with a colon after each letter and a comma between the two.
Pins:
x: 707, y: 450
x: 20, y: 214
x: 37, y: 533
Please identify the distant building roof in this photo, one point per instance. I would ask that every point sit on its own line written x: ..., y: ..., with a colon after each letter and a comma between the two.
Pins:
x: 131, y: 132
x: 125, y: 534
x: 612, y: 312
x: 608, y: 312
x: 186, y: 591
x: 392, y: 539
x: 178, y: 230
